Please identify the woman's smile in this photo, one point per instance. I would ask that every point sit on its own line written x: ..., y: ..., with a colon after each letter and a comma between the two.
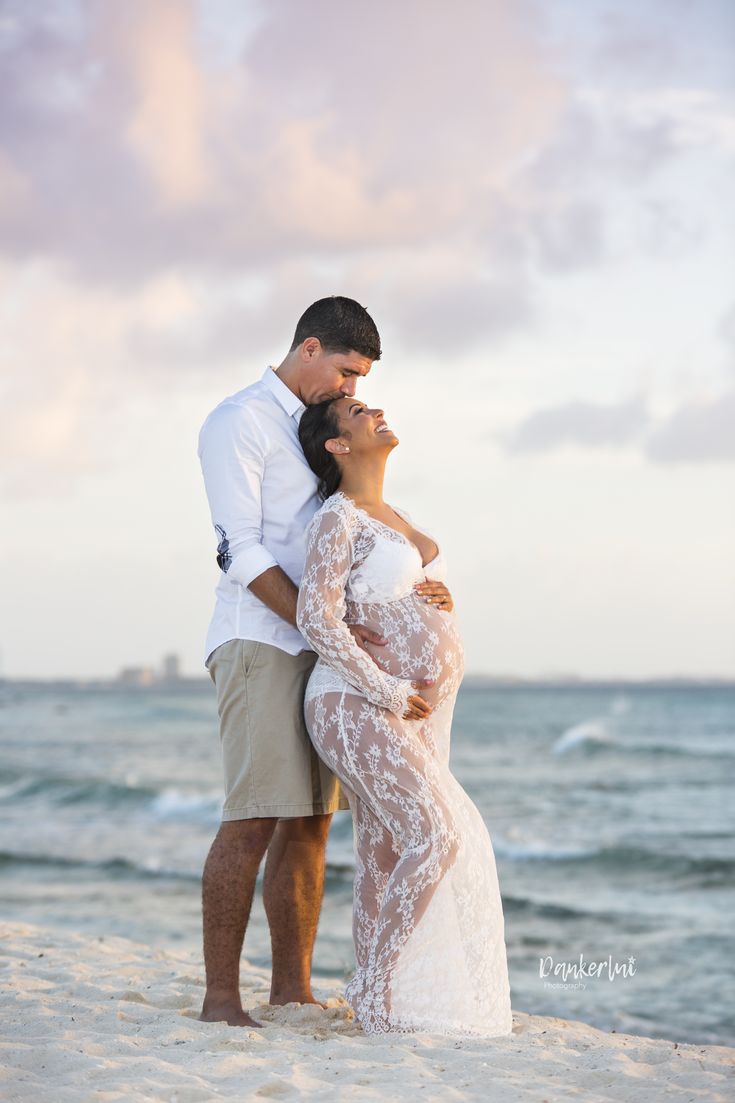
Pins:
x: 360, y: 421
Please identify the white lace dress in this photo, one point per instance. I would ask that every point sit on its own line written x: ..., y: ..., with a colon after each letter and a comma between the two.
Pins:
x: 428, y: 921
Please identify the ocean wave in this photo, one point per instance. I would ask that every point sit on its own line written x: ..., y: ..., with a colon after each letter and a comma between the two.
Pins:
x: 622, y: 857
x: 62, y: 789
x: 686, y: 871
x: 687, y: 751
x: 587, y: 734
x: 162, y: 804
x: 173, y: 804
x: 525, y: 905
x: 119, y: 868
x: 594, y: 735
x: 125, y: 868
x: 538, y: 851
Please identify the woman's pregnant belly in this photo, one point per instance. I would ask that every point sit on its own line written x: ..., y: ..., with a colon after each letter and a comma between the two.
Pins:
x: 422, y: 642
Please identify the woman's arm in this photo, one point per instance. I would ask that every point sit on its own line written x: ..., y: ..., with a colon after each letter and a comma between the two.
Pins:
x: 321, y: 609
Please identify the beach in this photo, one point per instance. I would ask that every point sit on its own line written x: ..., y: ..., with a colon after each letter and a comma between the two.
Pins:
x: 609, y: 809
x: 109, y: 1019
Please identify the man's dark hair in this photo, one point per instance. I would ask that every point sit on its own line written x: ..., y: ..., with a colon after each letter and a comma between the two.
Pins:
x: 319, y: 424
x: 341, y: 324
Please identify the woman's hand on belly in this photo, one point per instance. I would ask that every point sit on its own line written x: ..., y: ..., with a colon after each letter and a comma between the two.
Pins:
x: 418, y: 708
x: 435, y: 593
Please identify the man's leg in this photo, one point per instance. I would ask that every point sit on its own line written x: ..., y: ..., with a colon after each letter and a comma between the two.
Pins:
x: 227, y: 894
x: 292, y: 893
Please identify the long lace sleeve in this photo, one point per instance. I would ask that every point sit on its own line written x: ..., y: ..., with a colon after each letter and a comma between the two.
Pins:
x: 321, y: 609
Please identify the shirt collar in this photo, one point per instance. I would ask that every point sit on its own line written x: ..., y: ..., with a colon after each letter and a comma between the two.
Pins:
x: 290, y: 402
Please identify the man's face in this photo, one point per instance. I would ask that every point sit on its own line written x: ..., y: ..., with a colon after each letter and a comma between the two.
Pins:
x: 329, y: 374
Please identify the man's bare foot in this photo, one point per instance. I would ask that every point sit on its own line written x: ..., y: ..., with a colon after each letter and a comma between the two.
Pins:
x: 278, y: 999
x: 232, y: 1014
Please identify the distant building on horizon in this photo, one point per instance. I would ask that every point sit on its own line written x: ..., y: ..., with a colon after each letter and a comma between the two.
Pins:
x: 140, y: 676
x: 137, y: 676
x: 171, y: 668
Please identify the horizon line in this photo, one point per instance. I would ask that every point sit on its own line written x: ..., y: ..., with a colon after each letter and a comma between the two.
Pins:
x: 560, y: 678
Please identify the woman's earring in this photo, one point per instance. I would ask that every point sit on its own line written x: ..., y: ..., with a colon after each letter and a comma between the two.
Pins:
x: 345, y: 449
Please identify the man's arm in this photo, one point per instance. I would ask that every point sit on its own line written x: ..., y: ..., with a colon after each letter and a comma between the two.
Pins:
x: 276, y: 590
x: 232, y: 451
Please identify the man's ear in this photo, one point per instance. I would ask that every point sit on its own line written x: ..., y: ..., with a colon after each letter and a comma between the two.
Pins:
x: 310, y: 346
x: 336, y: 446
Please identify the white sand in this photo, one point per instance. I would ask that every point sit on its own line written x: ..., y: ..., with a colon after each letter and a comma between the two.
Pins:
x: 112, y: 1020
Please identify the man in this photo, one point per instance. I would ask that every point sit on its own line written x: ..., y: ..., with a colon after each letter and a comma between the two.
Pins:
x: 279, y: 797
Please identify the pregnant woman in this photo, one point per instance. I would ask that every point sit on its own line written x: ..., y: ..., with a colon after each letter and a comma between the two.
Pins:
x: 427, y: 919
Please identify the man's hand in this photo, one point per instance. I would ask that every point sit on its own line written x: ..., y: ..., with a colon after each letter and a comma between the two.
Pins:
x: 364, y: 635
x: 435, y: 593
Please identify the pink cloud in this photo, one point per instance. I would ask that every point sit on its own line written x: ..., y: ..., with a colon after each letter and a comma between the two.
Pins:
x: 158, y: 157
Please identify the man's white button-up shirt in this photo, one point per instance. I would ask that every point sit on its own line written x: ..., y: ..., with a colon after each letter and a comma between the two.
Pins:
x: 262, y: 495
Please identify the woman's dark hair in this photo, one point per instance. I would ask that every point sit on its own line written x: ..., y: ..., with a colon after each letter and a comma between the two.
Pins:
x: 319, y: 424
x: 341, y: 324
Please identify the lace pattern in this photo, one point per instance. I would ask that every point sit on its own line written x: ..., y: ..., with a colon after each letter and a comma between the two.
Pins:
x: 335, y: 544
x: 427, y: 917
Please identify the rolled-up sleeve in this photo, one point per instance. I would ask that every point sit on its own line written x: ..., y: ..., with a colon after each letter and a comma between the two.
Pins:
x: 232, y: 452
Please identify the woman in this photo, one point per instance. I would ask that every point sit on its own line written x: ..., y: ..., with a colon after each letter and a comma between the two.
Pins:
x: 427, y: 920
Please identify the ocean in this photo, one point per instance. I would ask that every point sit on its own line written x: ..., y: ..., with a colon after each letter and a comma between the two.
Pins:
x: 611, y: 812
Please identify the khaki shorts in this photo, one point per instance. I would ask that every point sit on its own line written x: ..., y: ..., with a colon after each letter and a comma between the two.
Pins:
x: 271, y: 768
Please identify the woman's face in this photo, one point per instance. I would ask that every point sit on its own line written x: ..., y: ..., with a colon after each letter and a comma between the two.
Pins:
x: 362, y: 428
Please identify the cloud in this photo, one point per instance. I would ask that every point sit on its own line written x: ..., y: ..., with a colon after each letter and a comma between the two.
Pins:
x: 663, y: 41
x: 129, y: 149
x: 698, y: 431
x: 159, y: 156
x: 225, y: 322
x: 595, y: 141
x: 726, y: 330
x: 586, y: 424
x: 664, y: 229
x: 631, y: 47
x: 432, y: 301
x: 441, y: 317
x: 684, y: 117
x: 67, y: 381
x: 167, y: 207
x: 571, y: 237
x: 164, y: 69
x: 576, y: 187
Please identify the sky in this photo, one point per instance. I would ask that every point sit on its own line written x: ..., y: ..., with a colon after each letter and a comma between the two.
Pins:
x: 534, y: 202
